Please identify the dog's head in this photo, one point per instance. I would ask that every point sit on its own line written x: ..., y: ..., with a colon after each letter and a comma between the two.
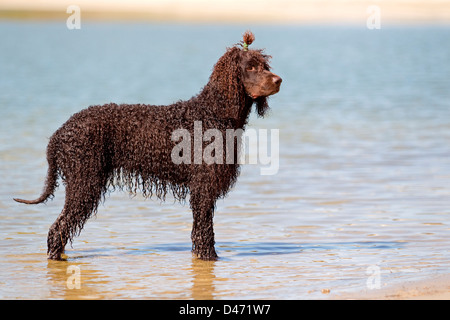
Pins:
x: 255, y: 70
x: 246, y: 72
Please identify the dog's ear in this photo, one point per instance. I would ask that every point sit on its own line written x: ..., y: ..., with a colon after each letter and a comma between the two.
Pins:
x: 261, y: 106
x: 226, y: 77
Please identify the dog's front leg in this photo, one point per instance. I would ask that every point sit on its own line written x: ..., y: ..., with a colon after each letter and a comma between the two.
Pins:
x: 202, y: 228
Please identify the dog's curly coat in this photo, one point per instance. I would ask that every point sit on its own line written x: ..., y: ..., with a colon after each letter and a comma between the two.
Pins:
x: 129, y: 146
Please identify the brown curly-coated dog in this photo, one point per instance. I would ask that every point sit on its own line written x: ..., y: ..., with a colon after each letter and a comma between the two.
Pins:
x: 130, y: 146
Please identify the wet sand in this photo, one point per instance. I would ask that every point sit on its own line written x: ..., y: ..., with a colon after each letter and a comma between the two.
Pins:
x: 434, y: 288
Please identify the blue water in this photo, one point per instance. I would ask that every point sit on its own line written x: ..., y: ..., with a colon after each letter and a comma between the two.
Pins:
x: 363, y: 180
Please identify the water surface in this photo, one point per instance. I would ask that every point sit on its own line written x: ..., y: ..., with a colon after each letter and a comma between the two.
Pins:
x: 363, y: 181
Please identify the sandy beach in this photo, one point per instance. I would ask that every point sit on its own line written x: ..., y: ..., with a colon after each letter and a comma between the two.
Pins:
x: 236, y: 11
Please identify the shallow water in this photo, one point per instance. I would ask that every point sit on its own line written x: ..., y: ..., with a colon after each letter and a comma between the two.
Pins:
x: 361, y: 194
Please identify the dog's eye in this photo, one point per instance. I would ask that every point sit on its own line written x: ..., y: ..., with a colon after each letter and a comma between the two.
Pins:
x: 251, y: 68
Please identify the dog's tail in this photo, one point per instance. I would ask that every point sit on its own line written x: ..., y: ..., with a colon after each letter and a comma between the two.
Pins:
x: 51, y: 181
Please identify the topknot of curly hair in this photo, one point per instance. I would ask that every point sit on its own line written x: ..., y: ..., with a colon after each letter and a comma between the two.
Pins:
x: 248, y: 38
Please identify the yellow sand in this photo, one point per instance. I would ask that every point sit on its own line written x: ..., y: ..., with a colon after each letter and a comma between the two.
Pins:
x: 435, y: 288
x: 275, y: 11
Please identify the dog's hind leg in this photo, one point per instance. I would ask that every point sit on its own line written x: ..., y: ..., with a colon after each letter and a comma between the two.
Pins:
x: 81, y: 201
x: 57, y: 237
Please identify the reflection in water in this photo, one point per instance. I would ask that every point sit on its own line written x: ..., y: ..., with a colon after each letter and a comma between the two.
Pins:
x: 69, y: 280
x: 74, y: 279
x: 202, y: 279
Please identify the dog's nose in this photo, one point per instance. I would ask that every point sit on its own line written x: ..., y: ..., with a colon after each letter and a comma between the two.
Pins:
x: 276, y: 79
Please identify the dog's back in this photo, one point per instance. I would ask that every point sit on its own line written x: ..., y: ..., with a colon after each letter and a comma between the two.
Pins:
x: 129, y: 145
